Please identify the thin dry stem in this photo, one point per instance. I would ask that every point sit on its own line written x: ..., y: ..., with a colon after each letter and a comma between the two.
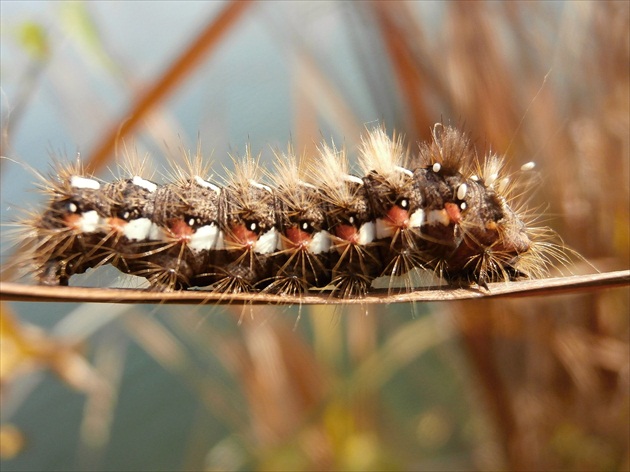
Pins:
x: 553, y: 286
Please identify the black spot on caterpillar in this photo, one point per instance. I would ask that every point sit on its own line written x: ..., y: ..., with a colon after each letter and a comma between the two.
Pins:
x: 310, y: 226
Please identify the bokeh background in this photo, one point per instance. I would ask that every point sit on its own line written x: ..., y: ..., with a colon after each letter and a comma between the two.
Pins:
x: 536, y: 384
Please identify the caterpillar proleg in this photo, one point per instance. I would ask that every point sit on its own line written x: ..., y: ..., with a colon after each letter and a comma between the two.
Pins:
x: 300, y: 227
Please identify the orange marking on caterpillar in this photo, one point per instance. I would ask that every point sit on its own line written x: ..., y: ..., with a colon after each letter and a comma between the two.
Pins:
x: 453, y: 212
x: 298, y: 237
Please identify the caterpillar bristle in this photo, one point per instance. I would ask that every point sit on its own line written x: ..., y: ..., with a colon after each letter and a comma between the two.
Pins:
x: 56, y: 183
x: 163, y: 277
x: 328, y: 173
x: 187, y: 166
x: 443, y: 212
x: 385, y: 156
x: 449, y: 151
x: 131, y: 164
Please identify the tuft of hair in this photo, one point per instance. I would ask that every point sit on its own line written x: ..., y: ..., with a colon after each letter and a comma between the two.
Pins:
x: 490, y: 173
x: 163, y: 278
x: 292, y: 286
x: 130, y: 164
x: 230, y: 281
x: 188, y: 166
x: 289, y: 170
x: 547, y: 251
x: 351, y: 285
x: 57, y: 184
x: 329, y: 173
x: 400, y: 268
x: 450, y: 148
x: 384, y: 155
x: 247, y: 171
x: 289, y: 180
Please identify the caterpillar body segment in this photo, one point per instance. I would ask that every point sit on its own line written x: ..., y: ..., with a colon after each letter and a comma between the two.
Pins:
x: 248, y: 226
x: 354, y: 257
x: 397, y: 205
x: 303, y: 257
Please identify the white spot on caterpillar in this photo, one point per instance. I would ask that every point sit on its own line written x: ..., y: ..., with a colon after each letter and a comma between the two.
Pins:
x: 462, y: 205
x: 205, y: 184
x: 416, y: 219
x: 82, y: 182
x: 436, y: 167
x: 145, y: 184
x: 474, y: 177
x: 205, y: 238
x: 461, y: 191
x: 154, y: 232
x: 72, y: 208
x: 253, y: 183
x: 140, y: 229
x: 320, y: 242
x: 404, y: 171
x: 367, y: 233
x: 491, y: 179
x: 352, y: 178
x: 438, y: 217
x: 528, y: 166
x: 89, y: 222
x: 267, y: 243
x: 384, y: 229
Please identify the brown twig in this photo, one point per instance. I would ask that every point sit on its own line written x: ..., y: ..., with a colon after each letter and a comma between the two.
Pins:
x: 179, y: 70
x: 554, y: 286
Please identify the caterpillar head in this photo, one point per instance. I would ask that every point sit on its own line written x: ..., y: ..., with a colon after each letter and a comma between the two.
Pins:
x: 493, y: 237
x: 469, y: 226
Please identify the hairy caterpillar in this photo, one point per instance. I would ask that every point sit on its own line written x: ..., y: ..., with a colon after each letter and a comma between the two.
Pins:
x: 307, y: 226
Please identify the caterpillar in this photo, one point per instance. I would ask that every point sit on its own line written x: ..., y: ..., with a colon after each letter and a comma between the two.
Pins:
x: 308, y: 224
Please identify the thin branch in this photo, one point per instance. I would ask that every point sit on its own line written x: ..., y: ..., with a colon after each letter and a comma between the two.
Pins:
x: 181, y: 68
x: 554, y: 286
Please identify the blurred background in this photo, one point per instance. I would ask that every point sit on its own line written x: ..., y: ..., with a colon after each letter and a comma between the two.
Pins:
x: 536, y: 384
